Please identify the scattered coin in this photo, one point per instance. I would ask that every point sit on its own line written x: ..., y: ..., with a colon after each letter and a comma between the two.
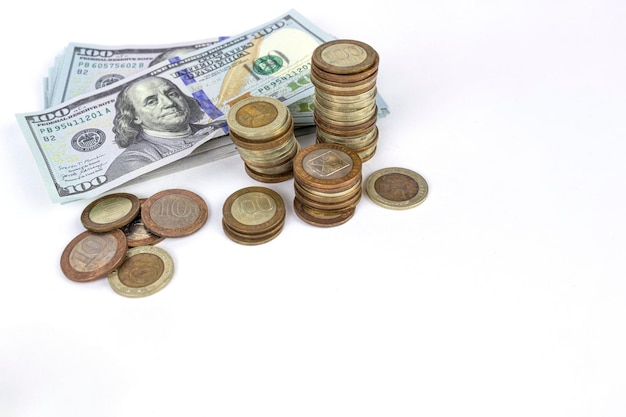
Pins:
x: 137, y: 234
x: 145, y: 270
x: 396, y: 188
x: 90, y: 256
x: 110, y: 212
x: 174, y: 213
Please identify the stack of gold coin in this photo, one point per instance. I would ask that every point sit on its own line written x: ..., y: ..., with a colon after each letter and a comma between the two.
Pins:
x: 262, y: 128
x: 327, y: 183
x: 253, y: 215
x: 344, y: 109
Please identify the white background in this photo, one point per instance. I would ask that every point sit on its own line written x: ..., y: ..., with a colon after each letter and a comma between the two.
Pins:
x: 503, y: 294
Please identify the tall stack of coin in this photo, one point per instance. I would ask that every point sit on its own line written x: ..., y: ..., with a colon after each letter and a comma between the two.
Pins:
x: 344, y: 110
x: 262, y: 128
x: 327, y: 182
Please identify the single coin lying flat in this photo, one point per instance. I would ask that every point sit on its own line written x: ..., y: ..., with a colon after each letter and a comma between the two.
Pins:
x: 144, y: 271
x: 396, y: 188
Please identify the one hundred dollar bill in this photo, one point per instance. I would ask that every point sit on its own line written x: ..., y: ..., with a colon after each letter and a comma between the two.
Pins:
x: 99, y: 140
x: 83, y: 67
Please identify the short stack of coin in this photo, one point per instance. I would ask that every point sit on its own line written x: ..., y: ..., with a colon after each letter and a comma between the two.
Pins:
x: 262, y: 128
x: 253, y: 215
x: 327, y: 183
x: 344, y: 109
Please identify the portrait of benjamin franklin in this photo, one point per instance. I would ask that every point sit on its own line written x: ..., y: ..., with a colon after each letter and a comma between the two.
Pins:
x: 154, y: 119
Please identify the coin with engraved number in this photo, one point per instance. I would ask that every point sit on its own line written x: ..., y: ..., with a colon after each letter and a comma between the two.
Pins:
x: 90, y: 256
x: 110, y: 212
x: 144, y: 271
x: 253, y: 210
x: 344, y: 56
x: 396, y: 188
x: 174, y: 213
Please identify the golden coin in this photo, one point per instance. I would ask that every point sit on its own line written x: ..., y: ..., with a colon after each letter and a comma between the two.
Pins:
x: 325, y: 198
x: 327, y: 166
x: 258, y: 117
x: 110, y: 212
x: 347, y: 90
x: 267, y: 143
x: 174, y: 213
x: 396, y: 188
x: 345, y: 78
x: 346, y: 117
x: 344, y: 56
x: 359, y: 139
x: 137, y: 234
x: 253, y: 210
x: 269, y: 178
x: 344, y: 83
x: 350, y: 99
x: 344, y: 130
x: 91, y: 256
x: 145, y: 271
x: 327, y: 205
x: 337, y: 219
x: 255, y: 239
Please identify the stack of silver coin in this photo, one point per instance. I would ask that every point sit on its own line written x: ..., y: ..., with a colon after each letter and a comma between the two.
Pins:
x: 328, y: 184
x: 262, y: 128
x: 344, y: 109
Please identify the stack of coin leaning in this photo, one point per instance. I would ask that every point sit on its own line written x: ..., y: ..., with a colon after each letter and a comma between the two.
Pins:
x: 344, y: 109
x: 327, y: 183
x: 253, y: 215
x: 262, y: 128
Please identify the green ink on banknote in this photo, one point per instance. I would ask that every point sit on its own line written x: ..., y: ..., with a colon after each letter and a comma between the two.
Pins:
x: 267, y: 64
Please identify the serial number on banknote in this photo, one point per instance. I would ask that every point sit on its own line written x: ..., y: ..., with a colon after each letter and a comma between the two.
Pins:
x: 304, y: 79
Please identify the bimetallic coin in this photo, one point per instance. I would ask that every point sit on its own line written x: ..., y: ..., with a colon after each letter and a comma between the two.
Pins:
x: 327, y: 166
x: 145, y: 271
x: 91, y: 256
x: 174, y: 213
x: 396, y: 188
x: 110, y: 212
x: 345, y: 78
x: 335, y: 219
x: 344, y: 56
x: 258, y: 117
x: 253, y: 210
x: 256, y: 239
x: 137, y: 234
x: 268, y: 178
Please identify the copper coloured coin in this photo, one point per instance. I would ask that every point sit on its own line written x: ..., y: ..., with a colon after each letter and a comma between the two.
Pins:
x: 344, y: 56
x: 396, y: 188
x: 90, y: 256
x: 137, y: 234
x: 253, y: 210
x: 145, y: 271
x: 110, y: 212
x: 174, y: 213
